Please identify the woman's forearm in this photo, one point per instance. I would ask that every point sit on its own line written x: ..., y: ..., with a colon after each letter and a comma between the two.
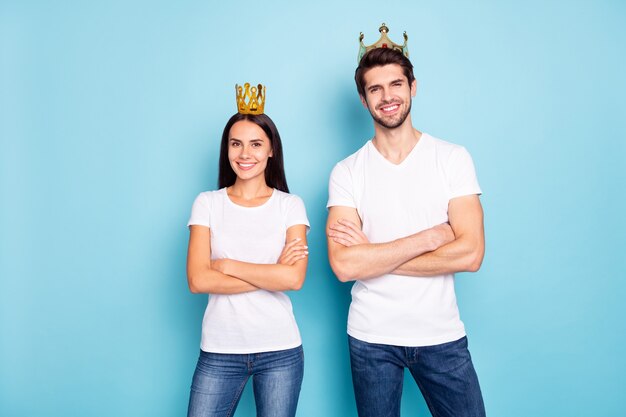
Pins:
x: 210, y: 281
x: 271, y: 277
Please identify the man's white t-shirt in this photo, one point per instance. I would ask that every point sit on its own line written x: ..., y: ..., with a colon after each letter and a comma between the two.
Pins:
x: 256, y: 321
x: 394, y: 201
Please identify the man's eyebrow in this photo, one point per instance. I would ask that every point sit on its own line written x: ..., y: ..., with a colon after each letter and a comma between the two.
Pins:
x: 398, y: 80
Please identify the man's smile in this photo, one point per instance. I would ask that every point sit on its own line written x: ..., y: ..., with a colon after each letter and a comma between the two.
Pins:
x: 389, y: 108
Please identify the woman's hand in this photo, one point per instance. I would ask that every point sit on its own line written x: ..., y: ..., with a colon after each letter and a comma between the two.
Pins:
x: 293, y: 252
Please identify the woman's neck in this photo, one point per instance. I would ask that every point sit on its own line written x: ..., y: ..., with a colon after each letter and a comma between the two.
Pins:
x: 249, y: 192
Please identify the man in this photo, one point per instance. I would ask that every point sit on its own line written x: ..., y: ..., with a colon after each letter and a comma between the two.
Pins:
x: 404, y: 216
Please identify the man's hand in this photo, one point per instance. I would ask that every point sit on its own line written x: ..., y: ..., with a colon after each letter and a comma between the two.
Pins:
x: 463, y: 254
x: 353, y: 257
x: 293, y: 252
x: 347, y: 233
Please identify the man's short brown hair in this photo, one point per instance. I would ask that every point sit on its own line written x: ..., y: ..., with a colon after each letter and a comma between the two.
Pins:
x: 377, y: 58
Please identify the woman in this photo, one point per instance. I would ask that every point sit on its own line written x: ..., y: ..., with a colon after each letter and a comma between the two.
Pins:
x: 247, y: 245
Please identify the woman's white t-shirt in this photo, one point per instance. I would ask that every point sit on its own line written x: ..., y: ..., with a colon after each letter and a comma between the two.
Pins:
x: 256, y: 321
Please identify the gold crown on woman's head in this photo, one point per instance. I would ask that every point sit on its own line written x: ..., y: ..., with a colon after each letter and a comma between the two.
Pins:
x: 250, y: 100
x: 383, y: 42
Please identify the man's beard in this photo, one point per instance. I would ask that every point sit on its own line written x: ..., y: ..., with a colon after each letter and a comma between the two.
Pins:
x: 392, y: 123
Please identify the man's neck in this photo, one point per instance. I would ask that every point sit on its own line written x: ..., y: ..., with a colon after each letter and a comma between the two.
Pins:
x: 397, y: 143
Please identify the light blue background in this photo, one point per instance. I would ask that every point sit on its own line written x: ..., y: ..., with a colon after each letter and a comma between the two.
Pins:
x: 110, y: 118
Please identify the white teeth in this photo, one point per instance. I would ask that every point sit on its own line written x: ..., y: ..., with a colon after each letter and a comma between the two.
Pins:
x: 390, y: 108
x: 245, y: 165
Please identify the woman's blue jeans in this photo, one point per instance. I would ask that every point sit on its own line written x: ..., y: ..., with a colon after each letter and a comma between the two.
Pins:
x: 444, y: 374
x: 219, y: 380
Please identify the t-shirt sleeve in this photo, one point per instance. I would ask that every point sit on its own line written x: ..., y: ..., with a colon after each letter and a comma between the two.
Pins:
x: 296, y: 213
x: 461, y: 174
x: 340, y: 188
x: 201, y: 211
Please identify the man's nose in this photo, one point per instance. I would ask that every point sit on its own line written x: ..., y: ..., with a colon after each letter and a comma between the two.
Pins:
x: 386, y: 94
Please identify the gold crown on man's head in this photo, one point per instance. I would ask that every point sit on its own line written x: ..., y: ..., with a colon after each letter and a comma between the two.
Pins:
x: 250, y: 100
x: 383, y: 42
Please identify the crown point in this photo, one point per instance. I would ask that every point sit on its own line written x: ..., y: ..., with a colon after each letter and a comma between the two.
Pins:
x: 383, y: 42
x: 250, y: 100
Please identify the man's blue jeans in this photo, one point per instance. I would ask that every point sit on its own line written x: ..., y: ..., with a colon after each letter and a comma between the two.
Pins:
x: 219, y: 380
x: 444, y: 373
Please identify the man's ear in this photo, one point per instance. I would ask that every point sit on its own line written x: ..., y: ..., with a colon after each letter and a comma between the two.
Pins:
x: 363, y: 101
x: 413, y: 88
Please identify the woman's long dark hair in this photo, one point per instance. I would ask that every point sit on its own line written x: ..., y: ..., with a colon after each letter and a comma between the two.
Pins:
x: 275, y: 170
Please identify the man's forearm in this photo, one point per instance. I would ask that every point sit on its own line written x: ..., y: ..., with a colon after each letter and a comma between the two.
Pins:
x: 370, y: 260
x: 464, y: 254
x: 461, y: 255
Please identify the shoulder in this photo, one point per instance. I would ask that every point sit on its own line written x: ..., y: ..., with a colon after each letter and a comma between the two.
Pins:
x: 440, y: 144
x: 445, y: 151
x: 287, y: 199
x: 291, y: 208
x: 203, y: 208
x: 356, y: 158
x: 352, y: 163
x: 210, y: 196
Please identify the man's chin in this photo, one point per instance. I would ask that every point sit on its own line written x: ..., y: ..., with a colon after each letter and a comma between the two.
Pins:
x: 390, y: 123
